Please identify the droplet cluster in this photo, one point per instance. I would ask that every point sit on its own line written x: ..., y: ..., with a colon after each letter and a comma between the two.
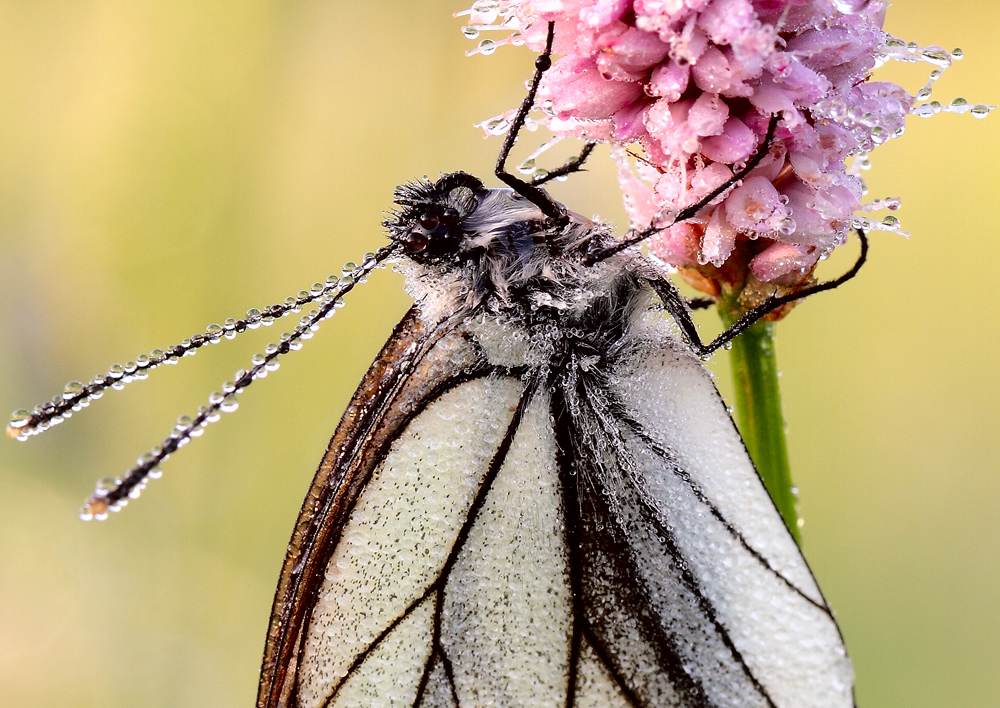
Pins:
x: 77, y: 395
x: 487, y: 16
x: 898, y: 50
x: 113, y: 494
x: 689, y: 88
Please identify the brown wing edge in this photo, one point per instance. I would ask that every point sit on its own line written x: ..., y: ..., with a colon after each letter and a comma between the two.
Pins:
x: 373, y: 419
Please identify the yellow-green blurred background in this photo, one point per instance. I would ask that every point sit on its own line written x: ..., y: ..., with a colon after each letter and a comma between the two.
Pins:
x: 164, y: 165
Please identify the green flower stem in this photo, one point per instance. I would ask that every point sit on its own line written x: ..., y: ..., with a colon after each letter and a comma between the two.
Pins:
x: 758, y: 411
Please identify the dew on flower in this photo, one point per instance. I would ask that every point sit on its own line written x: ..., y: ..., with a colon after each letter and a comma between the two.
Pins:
x: 690, y: 88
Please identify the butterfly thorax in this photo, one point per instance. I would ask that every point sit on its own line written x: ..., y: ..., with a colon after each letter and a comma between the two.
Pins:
x: 474, y: 252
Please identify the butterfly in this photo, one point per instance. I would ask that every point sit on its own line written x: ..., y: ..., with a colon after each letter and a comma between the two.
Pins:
x: 536, y: 496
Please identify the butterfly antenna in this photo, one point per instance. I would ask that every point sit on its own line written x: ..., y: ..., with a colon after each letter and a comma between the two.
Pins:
x: 113, y: 494
x: 76, y: 395
x: 599, y: 253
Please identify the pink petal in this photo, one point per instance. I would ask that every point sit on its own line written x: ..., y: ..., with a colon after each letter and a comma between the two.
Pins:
x: 667, y: 123
x: 677, y: 245
x: 826, y: 47
x: 725, y: 21
x: 711, y: 72
x: 795, y: 77
x: 806, y: 168
x: 689, y: 45
x: 735, y: 144
x: 719, y: 240
x: 708, y: 115
x: 577, y: 89
x: 755, y: 206
x: 770, y: 98
x: 630, y: 53
x: 603, y: 12
x: 630, y: 122
x: 637, y: 195
x: 671, y: 189
x: 669, y: 80
x: 783, y: 259
x: 708, y: 178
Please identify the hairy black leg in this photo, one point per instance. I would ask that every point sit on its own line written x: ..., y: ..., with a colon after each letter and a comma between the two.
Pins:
x: 599, y: 253
x: 574, y: 164
x: 678, y: 308
x: 550, y: 207
x: 700, y: 303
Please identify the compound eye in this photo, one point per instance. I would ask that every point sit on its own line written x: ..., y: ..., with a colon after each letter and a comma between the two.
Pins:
x: 429, y: 221
x: 415, y: 242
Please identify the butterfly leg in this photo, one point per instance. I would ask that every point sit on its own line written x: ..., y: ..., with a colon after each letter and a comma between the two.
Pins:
x: 700, y: 303
x: 574, y: 164
x: 550, y: 207
x: 680, y: 310
x: 598, y: 252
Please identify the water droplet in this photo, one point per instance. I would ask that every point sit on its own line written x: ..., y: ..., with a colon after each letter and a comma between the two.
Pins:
x: 850, y: 7
x: 72, y: 389
x: 95, y: 508
x: 19, y: 418
x: 937, y: 55
x: 104, y: 485
x: 253, y: 318
x: 487, y: 47
x: 229, y: 403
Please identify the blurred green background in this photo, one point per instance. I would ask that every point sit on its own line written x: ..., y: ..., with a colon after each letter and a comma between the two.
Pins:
x: 164, y: 165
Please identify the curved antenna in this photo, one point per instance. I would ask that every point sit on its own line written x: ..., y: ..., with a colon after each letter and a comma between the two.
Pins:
x: 76, y: 395
x: 113, y: 494
x: 595, y: 253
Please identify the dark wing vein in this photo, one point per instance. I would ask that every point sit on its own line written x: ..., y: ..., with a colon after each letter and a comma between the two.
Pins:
x: 366, y: 652
x: 571, y: 502
x: 610, y: 554
x: 607, y: 659
x: 438, y: 585
x: 374, y: 419
x: 598, y: 406
x: 699, y: 493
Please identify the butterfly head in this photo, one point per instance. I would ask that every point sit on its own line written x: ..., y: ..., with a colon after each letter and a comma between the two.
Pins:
x: 454, y: 218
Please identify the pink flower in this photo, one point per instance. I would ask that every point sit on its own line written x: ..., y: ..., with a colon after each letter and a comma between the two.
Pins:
x: 690, y: 87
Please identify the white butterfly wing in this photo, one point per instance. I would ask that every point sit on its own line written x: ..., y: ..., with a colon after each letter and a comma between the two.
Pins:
x: 486, y: 535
